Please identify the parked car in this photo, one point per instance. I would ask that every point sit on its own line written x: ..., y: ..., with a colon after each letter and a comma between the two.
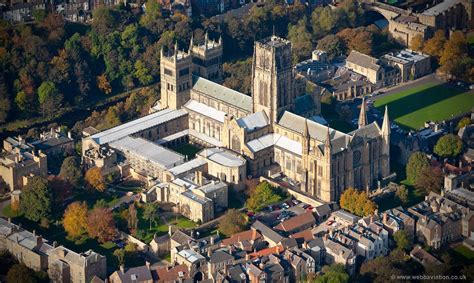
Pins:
x: 330, y: 222
x: 295, y: 202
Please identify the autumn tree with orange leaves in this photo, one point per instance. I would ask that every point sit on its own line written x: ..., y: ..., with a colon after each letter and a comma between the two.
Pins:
x: 75, y: 219
x: 101, y: 224
x: 95, y: 180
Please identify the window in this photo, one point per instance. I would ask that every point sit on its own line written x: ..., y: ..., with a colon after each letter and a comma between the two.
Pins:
x: 168, y: 72
x: 183, y: 72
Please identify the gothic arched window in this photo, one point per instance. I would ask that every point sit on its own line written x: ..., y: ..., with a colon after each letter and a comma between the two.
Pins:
x: 235, y: 143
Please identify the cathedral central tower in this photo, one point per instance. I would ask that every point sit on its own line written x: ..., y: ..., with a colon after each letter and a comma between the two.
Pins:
x: 272, y: 77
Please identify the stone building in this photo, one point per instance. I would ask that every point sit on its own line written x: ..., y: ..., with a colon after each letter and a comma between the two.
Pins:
x: 411, y: 65
x: 20, y: 161
x: 264, y: 131
x: 439, y: 220
x: 207, y: 59
x: 54, y: 142
x: 62, y: 265
x: 68, y: 266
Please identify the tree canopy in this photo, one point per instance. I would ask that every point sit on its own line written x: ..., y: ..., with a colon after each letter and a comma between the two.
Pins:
x: 95, y: 180
x: 263, y: 195
x: 357, y: 202
x: 335, y: 273
x: 233, y: 222
x: 71, y: 171
x: 416, y: 163
x: 75, y: 219
x: 101, y: 224
x: 449, y: 146
x: 36, y: 199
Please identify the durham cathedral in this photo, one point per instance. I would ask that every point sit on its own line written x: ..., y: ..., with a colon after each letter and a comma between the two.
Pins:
x: 275, y: 130
x: 269, y: 128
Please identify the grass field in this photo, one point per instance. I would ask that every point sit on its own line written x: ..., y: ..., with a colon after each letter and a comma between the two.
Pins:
x: 465, y: 252
x: 411, y: 108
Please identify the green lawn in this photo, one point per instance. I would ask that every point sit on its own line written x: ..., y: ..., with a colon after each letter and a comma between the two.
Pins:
x: 411, y: 108
x: 187, y: 149
x: 465, y: 252
x: 8, y: 212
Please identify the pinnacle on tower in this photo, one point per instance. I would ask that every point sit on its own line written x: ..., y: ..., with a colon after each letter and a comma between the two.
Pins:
x: 386, y: 122
x: 191, y: 43
x: 306, y: 130
x: 327, y: 142
x: 363, y: 116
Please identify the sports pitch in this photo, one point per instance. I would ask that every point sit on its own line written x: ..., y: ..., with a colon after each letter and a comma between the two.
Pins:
x: 410, y: 108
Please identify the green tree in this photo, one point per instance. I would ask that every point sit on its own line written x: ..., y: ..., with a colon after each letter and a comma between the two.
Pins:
x: 233, y: 222
x: 49, y: 98
x: 449, y: 146
x: 71, y: 171
x: 142, y: 73
x: 36, y: 199
x: 403, y: 240
x: 152, y: 14
x: 335, y: 273
x: 263, y: 195
x: 416, y: 163
x: 106, y: 20
x: 402, y: 193
x: 301, y: 40
x: 150, y: 212
x: 112, y: 118
x: 465, y: 121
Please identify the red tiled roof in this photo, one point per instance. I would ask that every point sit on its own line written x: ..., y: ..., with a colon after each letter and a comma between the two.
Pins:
x: 295, y: 222
x: 170, y: 274
x: 249, y: 235
x: 268, y: 251
x: 305, y: 235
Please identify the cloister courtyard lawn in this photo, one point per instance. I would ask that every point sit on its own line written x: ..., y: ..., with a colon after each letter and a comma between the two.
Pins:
x: 412, y: 107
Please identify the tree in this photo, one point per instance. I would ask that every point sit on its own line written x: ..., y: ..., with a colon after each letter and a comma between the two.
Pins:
x: 150, y: 212
x: 75, y: 219
x: 71, y: 171
x: 5, y: 105
x: 335, y: 273
x: 333, y: 45
x: 101, y: 225
x: 263, y: 195
x: 403, y: 240
x: 61, y: 191
x: 95, y: 180
x: 112, y: 119
x: 465, y: 121
x: 233, y: 222
x: 49, y: 98
x: 449, y: 146
x: 142, y: 73
x: 103, y: 84
x: 301, y: 40
x: 416, y: 163
x: 120, y: 255
x: 402, y: 193
x: 132, y: 219
x: 357, y: 202
x: 36, y: 199
x: 417, y: 43
x: 455, y: 49
x: 19, y: 273
x: 434, y: 46
x: 105, y: 21
x: 430, y: 179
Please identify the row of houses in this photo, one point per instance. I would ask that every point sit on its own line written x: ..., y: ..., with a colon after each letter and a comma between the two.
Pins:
x: 61, y: 264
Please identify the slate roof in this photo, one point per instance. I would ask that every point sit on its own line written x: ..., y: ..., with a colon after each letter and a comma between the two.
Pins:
x: 222, y: 93
x: 267, y: 232
x: 254, y: 121
x: 220, y: 256
x: 303, y: 104
x: 135, y: 274
x: 363, y: 60
x: 296, y: 222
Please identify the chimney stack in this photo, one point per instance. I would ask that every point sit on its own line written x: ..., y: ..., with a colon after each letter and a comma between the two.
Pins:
x: 122, y: 268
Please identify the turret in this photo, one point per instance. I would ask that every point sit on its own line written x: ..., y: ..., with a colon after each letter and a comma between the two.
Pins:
x: 306, y: 138
x: 386, y: 123
x: 362, y: 116
x: 327, y: 142
x: 385, y: 132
